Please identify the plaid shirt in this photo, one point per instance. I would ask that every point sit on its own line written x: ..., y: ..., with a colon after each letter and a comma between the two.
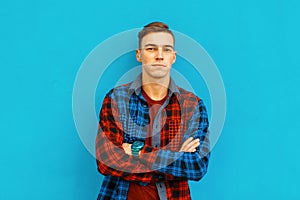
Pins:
x: 124, y: 118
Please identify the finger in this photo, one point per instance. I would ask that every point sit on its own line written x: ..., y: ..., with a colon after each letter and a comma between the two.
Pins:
x: 186, y: 143
x: 193, y: 145
x: 127, y: 148
x: 196, y: 143
x: 124, y: 145
x: 184, y: 146
x: 191, y: 142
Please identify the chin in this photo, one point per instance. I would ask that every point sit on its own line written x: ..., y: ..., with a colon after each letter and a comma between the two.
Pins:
x: 159, y: 75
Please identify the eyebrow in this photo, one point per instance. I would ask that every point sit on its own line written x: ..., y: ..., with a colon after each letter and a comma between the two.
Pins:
x: 167, y: 45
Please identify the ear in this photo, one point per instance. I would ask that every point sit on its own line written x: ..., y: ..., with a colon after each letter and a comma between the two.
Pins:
x: 174, y: 57
x: 138, y: 55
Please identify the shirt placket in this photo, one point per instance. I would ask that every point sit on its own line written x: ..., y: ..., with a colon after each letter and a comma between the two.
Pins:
x: 156, y: 130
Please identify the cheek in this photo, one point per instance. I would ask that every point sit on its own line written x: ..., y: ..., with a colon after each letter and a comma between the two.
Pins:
x: 146, y: 58
x: 171, y: 59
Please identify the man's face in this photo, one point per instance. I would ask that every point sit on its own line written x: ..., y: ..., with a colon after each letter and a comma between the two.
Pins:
x: 156, y: 54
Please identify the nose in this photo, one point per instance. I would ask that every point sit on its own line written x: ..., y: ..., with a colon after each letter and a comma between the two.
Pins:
x: 159, y: 55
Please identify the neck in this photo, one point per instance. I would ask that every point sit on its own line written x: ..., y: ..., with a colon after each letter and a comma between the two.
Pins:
x: 156, y: 89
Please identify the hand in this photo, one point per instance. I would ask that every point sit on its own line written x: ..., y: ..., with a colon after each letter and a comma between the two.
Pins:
x: 190, y: 145
x: 127, y: 148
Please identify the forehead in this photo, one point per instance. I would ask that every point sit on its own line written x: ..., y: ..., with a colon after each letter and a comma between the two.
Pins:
x: 159, y: 38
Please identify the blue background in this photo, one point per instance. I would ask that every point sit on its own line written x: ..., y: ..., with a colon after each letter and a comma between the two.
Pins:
x: 255, y: 45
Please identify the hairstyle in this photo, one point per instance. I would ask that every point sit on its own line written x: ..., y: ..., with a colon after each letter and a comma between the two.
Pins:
x: 154, y: 27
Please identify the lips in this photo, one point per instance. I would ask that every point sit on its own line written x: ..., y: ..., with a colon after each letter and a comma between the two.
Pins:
x: 158, y: 65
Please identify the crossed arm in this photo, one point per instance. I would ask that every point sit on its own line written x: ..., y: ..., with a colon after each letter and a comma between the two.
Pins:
x: 189, y: 145
x: 114, y: 157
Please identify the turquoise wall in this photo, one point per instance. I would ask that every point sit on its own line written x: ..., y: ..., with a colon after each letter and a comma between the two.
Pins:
x: 255, y: 45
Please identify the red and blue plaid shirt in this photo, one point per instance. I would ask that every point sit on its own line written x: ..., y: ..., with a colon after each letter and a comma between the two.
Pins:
x: 124, y: 118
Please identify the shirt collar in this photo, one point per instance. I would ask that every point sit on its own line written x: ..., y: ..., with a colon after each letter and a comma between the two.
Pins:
x: 137, y: 84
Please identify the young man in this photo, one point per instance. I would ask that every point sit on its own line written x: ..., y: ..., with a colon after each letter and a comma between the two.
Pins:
x: 153, y: 135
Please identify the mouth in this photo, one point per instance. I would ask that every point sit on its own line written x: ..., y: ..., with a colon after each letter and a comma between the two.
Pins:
x: 158, y: 65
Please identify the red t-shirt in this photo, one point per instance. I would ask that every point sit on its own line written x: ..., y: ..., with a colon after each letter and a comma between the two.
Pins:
x: 148, y: 192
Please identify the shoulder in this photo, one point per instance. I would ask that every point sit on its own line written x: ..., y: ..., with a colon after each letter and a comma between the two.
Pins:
x: 119, y: 91
x: 189, y: 100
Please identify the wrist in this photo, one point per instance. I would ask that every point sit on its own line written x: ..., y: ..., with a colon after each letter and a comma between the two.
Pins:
x: 136, y: 147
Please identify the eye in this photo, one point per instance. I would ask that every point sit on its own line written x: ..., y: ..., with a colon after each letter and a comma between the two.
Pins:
x: 168, y: 49
x: 150, y: 48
